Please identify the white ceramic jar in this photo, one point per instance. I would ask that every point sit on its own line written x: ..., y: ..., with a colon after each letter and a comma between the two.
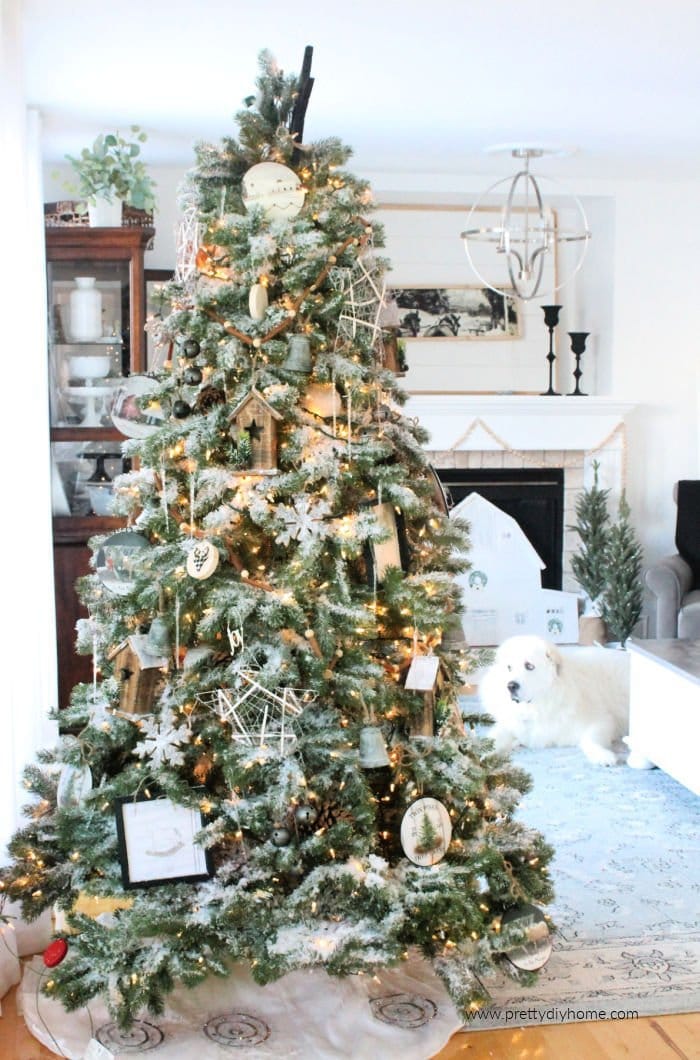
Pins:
x: 85, y: 310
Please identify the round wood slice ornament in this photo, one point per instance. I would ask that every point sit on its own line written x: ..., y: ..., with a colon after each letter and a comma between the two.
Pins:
x: 535, y: 951
x: 202, y: 560
x: 426, y: 831
x: 274, y: 187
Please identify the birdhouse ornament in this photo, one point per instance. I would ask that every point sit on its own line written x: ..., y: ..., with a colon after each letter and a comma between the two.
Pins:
x: 255, y: 417
x: 141, y: 675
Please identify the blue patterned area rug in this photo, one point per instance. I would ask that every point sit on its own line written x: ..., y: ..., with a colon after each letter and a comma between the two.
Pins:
x: 626, y: 873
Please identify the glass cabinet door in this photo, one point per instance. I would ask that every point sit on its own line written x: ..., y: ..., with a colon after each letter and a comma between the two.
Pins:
x: 89, y: 351
x: 96, y: 339
x: 82, y: 477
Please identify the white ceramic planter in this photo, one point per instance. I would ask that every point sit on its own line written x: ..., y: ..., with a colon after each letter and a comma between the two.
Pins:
x: 105, y: 214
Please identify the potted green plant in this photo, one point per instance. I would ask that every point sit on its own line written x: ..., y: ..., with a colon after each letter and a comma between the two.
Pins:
x: 111, y: 172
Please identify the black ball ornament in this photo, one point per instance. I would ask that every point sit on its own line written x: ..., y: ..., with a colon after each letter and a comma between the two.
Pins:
x: 181, y: 409
x: 281, y: 836
x: 192, y: 375
x: 305, y: 815
x: 191, y: 348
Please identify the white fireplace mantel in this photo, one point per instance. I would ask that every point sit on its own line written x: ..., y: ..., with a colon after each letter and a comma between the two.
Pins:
x: 488, y: 421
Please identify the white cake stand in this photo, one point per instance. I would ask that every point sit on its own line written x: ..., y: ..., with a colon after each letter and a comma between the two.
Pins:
x: 91, y: 395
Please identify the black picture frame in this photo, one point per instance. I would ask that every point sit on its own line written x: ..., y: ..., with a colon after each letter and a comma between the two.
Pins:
x: 460, y: 311
x: 173, y: 856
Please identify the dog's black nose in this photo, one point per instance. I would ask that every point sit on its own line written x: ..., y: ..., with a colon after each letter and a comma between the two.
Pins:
x: 513, y: 686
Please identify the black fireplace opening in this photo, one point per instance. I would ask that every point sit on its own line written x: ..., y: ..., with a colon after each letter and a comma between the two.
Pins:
x: 534, y: 497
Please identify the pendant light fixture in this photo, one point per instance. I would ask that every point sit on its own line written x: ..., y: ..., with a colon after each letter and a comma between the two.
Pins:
x: 523, y: 234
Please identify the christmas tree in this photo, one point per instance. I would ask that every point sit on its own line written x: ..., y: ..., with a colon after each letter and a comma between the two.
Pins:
x: 237, y: 783
x: 589, y: 565
x: 623, y: 595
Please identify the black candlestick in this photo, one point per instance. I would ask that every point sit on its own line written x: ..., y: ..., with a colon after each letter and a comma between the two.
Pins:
x: 578, y: 345
x: 551, y: 319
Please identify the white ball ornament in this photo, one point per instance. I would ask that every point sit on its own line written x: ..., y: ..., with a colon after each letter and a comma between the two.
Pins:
x: 274, y: 187
x: 74, y: 783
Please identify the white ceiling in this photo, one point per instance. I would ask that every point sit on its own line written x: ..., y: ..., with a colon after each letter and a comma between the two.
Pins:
x: 422, y: 87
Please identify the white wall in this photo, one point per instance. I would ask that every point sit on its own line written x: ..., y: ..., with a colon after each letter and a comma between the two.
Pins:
x: 656, y: 278
x: 636, y: 294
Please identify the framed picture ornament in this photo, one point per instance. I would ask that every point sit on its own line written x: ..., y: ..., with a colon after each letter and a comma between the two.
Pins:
x: 393, y: 551
x: 156, y: 843
x: 426, y: 831
x: 536, y: 947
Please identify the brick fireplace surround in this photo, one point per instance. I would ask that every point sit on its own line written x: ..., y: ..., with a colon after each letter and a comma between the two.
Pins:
x: 518, y: 431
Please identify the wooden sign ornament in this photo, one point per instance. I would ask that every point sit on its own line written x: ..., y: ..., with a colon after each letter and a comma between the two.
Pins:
x: 426, y: 831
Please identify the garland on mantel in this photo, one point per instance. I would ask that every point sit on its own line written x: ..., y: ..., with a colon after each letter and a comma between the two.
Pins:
x: 619, y: 428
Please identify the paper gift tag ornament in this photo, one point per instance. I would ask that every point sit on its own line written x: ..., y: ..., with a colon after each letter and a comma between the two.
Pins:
x: 276, y: 188
x: 426, y: 831
x: 202, y: 560
x: 422, y: 673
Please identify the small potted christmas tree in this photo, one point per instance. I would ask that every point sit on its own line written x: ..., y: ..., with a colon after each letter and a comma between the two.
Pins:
x: 622, y: 598
x: 589, y: 565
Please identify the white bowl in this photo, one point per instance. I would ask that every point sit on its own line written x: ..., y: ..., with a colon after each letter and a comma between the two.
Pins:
x: 101, y: 498
x: 94, y: 367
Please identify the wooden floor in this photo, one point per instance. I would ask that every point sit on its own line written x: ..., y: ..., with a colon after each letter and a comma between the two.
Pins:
x: 657, y: 1038
x: 654, y: 1038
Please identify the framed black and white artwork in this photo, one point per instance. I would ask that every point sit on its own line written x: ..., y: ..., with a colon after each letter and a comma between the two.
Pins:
x: 157, y: 845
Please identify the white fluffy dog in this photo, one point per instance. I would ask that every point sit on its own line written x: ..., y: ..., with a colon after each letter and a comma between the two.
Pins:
x: 543, y: 696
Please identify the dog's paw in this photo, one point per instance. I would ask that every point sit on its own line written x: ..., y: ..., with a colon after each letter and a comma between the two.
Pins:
x: 600, y: 756
x: 504, y: 742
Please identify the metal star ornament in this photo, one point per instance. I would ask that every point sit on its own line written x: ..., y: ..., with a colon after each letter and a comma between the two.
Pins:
x: 364, y: 293
x: 188, y: 239
x: 258, y: 716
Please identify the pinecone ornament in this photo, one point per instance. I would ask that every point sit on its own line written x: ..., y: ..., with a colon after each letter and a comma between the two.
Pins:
x: 208, y: 398
x: 229, y: 858
x: 322, y: 817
